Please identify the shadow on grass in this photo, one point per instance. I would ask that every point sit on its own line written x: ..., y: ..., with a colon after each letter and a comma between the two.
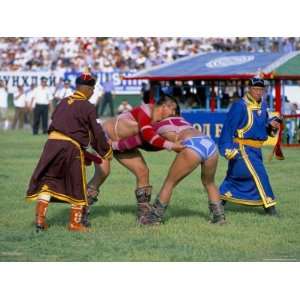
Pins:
x: 106, y: 210
x: 177, y: 212
x: 61, y: 217
x: 172, y: 212
x: 244, y: 209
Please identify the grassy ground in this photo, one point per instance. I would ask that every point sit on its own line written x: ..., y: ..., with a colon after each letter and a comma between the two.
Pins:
x: 186, y: 235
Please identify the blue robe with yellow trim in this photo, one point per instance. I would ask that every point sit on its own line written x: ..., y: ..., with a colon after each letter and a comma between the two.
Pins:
x: 243, y: 133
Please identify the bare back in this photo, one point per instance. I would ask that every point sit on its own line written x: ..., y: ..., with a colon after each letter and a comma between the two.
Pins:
x: 120, y: 128
x: 176, y: 129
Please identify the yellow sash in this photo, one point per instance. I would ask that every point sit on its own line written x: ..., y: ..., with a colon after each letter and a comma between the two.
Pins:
x: 247, y: 142
x: 55, y: 135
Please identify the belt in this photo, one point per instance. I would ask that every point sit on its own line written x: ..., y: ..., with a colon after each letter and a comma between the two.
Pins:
x: 251, y: 143
x: 55, y: 135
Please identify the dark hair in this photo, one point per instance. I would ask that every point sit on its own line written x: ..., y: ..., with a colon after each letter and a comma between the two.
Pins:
x: 164, y: 98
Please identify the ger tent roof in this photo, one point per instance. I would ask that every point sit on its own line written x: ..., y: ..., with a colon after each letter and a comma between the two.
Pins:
x: 227, y: 65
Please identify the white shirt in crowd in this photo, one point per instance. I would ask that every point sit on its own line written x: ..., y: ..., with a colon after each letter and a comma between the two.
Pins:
x: 20, y: 101
x: 42, y: 95
x: 63, y: 93
x: 28, y: 99
x: 97, y: 93
x: 3, y: 98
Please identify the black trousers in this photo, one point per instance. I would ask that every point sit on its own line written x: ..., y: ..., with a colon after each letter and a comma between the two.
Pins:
x: 40, y: 112
x: 107, y: 100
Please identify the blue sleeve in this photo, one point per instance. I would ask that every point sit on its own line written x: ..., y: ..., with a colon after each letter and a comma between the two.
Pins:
x: 233, y: 121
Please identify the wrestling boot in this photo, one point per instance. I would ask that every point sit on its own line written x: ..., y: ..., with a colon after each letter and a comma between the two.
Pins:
x: 85, y: 216
x: 143, y: 198
x: 40, y: 215
x: 271, y: 211
x: 76, y: 219
x: 217, y: 212
x: 155, y: 215
x: 92, y: 196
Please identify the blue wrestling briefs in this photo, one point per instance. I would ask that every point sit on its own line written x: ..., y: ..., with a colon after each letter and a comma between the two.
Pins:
x: 204, y: 146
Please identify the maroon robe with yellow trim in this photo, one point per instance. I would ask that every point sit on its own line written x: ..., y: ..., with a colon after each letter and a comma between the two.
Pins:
x: 60, y: 172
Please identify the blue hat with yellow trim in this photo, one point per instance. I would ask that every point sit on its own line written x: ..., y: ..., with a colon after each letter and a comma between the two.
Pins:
x: 257, y: 82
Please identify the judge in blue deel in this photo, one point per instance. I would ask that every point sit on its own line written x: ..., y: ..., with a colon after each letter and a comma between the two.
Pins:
x: 245, y: 129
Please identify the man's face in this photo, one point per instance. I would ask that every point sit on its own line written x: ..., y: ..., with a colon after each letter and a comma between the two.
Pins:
x: 44, y: 82
x: 90, y: 91
x: 257, y: 92
x: 168, y: 110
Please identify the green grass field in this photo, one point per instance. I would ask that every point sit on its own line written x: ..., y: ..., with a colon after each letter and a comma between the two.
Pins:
x: 185, y: 236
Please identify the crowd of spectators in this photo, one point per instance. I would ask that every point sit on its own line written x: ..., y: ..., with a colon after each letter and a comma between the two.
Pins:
x: 121, y: 54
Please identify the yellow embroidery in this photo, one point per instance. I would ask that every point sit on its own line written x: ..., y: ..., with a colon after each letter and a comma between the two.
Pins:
x: 256, y: 179
x: 248, y: 125
x: 241, y: 201
x: 59, y: 136
x: 45, y: 187
x: 252, y: 103
x: 109, y: 154
x: 228, y: 152
x: 76, y: 96
x: 228, y: 194
x: 231, y: 153
x: 269, y: 200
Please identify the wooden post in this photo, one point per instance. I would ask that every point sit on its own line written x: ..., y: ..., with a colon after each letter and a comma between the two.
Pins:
x: 278, y: 107
x: 278, y: 96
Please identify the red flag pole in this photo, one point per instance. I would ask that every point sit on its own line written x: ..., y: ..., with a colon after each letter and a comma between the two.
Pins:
x: 278, y: 105
x: 278, y: 96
